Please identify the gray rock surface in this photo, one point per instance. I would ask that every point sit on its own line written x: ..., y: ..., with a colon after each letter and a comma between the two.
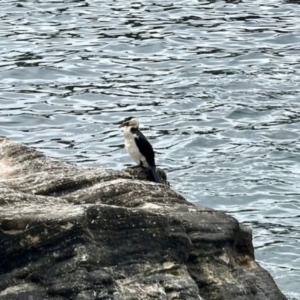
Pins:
x: 68, y: 232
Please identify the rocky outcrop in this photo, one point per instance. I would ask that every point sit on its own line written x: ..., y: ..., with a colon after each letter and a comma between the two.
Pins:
x: 68, y: 232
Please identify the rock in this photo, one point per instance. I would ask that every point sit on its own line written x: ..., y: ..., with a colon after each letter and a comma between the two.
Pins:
x: 68, y: 232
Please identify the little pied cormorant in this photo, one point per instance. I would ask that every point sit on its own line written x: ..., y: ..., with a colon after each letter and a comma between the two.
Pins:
x: 138, y: 146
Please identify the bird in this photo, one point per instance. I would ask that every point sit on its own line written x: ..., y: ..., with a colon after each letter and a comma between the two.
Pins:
x: 138, y: 146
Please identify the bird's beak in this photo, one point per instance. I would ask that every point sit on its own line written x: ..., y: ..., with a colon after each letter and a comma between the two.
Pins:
x: 123, y: 124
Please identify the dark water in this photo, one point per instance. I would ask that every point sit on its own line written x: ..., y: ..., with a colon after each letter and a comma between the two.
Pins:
x: 214, y: 84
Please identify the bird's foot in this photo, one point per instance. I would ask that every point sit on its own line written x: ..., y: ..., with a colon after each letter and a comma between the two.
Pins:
x: 136, y: 167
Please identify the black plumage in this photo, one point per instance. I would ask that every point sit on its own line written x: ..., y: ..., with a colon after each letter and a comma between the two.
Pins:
x: 144, y: 146
x: 146, y: 150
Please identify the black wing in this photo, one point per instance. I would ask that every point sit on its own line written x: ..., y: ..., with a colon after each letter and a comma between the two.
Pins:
x: 144, y: 146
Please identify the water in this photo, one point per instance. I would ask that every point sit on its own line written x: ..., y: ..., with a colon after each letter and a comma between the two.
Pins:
x: 215, y: 85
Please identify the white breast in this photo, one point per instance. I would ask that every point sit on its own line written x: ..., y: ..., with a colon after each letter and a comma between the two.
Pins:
x: 132, y: 148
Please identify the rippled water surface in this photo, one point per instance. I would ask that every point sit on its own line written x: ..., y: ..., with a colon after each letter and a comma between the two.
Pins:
x: 215, y: 85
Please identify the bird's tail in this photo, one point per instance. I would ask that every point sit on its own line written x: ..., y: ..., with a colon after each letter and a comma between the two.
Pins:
x: 155, y: 175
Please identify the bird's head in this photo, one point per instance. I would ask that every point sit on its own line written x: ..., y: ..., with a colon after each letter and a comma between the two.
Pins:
x: 130, y: 122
